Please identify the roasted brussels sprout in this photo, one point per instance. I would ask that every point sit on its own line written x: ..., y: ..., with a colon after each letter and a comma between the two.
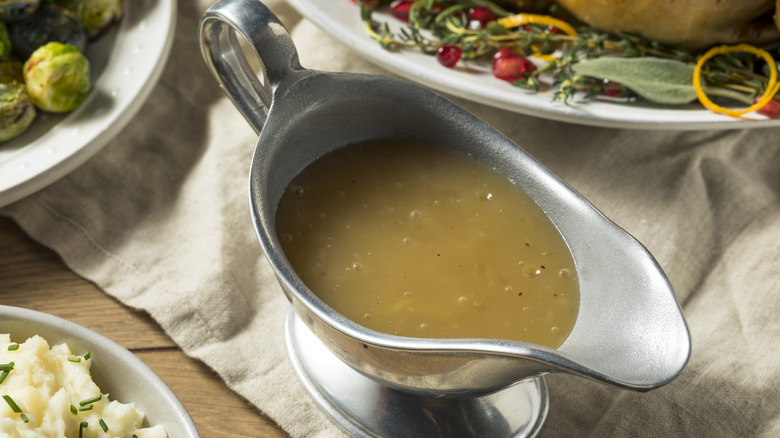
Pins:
x: 52, y: 36
x: 57, y: 77
x: 15, y: 10
x: 96, y: 15
x: 48, y: 23
x: 16, y: 110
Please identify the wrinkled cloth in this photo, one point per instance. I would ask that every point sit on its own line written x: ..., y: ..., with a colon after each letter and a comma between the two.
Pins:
x: 160, y: 220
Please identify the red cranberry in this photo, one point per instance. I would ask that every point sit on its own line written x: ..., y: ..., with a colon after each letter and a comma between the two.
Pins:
x: 771, y: 109
x: 400, y: 9
x: 448, y: 56
x: 612, y: 90
x: 510, y: 66
x: 554, y: 30
x: 481, y: 14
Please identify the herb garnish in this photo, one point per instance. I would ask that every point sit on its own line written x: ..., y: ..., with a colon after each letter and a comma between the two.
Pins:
x: 15, y: 408
x: 83, y: 425
x: 91, y: 400
x: 12, y: 404
x: 735, y: 77
x: 86, y: 356
x: 6, y: 369
x: 13, y: 347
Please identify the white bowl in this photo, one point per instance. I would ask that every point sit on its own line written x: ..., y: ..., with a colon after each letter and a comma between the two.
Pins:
x: 126, y: 64
x: 116, y: 370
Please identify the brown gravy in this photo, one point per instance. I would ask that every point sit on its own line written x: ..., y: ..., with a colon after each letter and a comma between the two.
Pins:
x: 416, y: 240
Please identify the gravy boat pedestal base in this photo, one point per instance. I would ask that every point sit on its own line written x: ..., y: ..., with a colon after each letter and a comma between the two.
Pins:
x: 364, y: 407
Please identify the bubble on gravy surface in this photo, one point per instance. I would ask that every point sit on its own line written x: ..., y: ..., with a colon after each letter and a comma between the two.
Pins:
x: 417, y: 240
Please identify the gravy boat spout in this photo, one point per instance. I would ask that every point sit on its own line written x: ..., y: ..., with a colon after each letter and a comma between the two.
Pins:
x: 630, y: 330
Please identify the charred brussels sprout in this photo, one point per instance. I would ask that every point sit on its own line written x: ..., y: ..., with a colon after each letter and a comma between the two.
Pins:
x: 96, y: 15
x: 15, y: 10
x: 16, y: 110
x: 48, y: 23
x: 57, y: 77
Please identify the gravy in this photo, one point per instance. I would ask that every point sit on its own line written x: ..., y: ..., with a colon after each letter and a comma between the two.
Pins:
x: 417, y: 240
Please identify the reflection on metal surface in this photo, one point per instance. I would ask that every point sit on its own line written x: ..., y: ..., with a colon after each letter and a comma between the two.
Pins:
x: 366, y: 408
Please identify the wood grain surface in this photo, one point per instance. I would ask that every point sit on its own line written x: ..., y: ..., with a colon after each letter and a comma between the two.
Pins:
x: 34, y: 277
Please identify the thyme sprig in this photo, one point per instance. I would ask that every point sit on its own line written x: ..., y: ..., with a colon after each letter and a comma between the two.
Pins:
x: 433, y: 24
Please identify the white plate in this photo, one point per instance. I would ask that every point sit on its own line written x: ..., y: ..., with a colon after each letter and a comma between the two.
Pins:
x: 117, y: 371
x: 126, y: 64
x: 341, y: 19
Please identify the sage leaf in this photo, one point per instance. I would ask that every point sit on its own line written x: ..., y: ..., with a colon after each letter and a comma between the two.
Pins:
x: 659, y: 80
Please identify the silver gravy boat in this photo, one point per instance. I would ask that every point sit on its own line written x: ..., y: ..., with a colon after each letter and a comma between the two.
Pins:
x: 630, y: 331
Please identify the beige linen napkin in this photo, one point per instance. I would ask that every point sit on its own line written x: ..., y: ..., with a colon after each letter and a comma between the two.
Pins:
x: 160, y: 220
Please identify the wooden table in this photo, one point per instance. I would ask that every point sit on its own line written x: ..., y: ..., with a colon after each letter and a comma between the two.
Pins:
x: 34, y: 277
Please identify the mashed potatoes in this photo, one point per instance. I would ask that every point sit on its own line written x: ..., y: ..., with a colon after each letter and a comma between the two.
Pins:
x: 48, y: 392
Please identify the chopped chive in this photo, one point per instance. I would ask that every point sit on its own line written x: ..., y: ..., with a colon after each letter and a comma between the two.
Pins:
x: 13, y: 347
x: 103, y: 425
x: 86, y: 408
x: 3, y: 375
x: 12, y: 404
x: 82, y: 426
x: 74, y: 359
x: 91, y: 400
x: 6, y: 366
x: 73, y: 410
x: 87, y: 355
x: 24, y: 418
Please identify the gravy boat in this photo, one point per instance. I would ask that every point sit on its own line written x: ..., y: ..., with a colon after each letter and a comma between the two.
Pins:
x: 630, y: 331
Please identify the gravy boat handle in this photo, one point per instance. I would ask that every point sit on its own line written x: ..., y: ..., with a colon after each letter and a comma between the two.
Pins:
x: 228, y: 63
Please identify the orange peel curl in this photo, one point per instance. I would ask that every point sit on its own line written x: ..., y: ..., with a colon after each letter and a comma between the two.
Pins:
x: 772, y: 86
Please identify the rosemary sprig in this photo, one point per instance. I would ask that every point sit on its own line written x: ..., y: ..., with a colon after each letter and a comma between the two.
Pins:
x: 433, y: 24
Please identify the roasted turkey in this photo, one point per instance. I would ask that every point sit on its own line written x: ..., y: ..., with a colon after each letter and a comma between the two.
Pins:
x: 689, y: 23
